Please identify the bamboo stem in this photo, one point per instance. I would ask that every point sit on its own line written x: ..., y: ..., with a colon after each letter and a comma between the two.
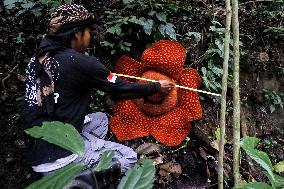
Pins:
x: 236, y: 95
x: 223, y: 98
x: 177, y: 86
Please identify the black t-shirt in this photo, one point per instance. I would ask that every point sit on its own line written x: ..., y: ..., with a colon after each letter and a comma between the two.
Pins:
x: 75, y: 75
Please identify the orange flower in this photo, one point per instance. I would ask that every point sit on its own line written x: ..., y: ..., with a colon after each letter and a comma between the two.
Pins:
x: 165, y: 117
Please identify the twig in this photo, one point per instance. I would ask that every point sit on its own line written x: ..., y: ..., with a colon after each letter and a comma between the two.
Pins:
x: 7, y: 77
x: 178, y: 86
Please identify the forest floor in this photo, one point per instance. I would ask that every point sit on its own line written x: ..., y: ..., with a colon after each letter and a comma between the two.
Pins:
x: 262, y: 67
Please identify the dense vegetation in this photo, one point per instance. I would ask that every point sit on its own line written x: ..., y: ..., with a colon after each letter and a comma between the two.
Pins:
x: 128, y: 28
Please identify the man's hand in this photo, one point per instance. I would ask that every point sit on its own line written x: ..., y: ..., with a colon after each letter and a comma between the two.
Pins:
x: 166, y: 86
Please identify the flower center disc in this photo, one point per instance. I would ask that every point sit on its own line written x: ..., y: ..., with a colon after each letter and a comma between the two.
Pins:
x: 159, y: 103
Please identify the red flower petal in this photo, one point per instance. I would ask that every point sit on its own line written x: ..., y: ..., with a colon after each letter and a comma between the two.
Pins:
x: 128, y: 122
x: 188, y: 100
x: 128, y: 66
x: 158, y: 103
x: 170, y: 129
x: 165, y: 56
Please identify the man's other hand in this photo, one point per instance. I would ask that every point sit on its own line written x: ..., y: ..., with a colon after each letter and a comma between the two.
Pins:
x: 166, y: 86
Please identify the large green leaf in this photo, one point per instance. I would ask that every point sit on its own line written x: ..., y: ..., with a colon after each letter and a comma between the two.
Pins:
x: 58, y: 179
x: 105, y: 161
x: 58, y: 133
x: 255, y: 185
x: 139, y: 177
x: 248, y: 144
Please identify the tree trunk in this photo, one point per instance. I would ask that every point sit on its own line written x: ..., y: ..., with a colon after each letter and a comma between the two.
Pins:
x: 224, y: 94
x: 236, y: 94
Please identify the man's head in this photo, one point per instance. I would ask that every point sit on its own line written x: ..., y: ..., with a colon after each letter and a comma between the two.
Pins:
x: 73, y: 22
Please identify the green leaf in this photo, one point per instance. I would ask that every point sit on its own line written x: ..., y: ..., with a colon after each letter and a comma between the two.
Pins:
x: 58, y: 133
x: 147, y: 25
x: 59, y: 178
x: 116, y: 29
x: 279, y: 181
x: 279, y: 167
x: 248, y: 144
x: 196, y: 35
x: 9, y: 4
x: 127, y: 1
x: 27, y: 5
x: 170, y: 31
x: 255, y: 185
x: 139, y: 177
x: 161, y: 17
x: 105, y: 161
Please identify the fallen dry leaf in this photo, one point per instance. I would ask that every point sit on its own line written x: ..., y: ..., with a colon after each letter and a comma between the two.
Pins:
x: 173, y: 168
x: 149, y: 148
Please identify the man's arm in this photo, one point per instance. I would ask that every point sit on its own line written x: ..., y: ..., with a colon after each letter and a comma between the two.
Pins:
x: 94, y: 74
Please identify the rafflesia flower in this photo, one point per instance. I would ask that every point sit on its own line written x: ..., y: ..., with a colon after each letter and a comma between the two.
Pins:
x: 165, y: 117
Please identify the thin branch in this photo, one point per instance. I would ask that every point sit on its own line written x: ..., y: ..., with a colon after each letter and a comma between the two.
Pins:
x: 224, y: 94
x: 236, y: 94
x: 7, y: 77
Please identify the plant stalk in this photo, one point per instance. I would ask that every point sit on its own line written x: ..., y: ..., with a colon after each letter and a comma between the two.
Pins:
x: 224, y: 94
x: 236, y: 94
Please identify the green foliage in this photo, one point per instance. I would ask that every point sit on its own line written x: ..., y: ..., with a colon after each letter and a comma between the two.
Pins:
x: 279, y: 167
x: 213, y: 71
x: 151, y: 20
x: 272, y: 100
x: 58, y: 133
x: 105, y: 161
x: 139, y: 177
x: 272, y: 9
x: 35, y: 7
x: 66, y: 136
x: 248, y: 144
x: 255, y: 185
x: 58, y: 179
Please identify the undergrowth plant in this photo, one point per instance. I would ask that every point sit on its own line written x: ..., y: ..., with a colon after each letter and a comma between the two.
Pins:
x: 272, y: 100
x: 67, y: 137
x: 35, y: 7
x: 249, y: 144
x: 137, y: 22
x: 212, y: 72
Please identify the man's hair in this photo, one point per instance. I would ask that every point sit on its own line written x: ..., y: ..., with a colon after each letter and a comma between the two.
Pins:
x: 68, y: 37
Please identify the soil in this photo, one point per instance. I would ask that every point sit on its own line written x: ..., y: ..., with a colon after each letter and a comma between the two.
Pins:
x: 261, y: 68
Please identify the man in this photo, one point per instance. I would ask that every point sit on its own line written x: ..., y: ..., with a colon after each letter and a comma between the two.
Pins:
x: 59, y: 81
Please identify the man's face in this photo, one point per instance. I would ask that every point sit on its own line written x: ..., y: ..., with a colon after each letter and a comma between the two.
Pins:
x: 82, y: 40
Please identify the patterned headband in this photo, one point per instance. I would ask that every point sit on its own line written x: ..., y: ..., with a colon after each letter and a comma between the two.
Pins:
x: 68, y: 16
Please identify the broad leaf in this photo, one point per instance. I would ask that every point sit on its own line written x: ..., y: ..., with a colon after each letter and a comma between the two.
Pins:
x: 58, y: 133
x: 116, y: 29
x: 161, y: 17
x: 196, y: 35
x: 58, y: 179
x: 147, y: 25
x: 255, y: 185
x: 105, y: 161
x: 278, y: 181
x: 170, y: 31
x: 139, y: 177
x: 248, y: 144
x: 9, y: 4
x: 279, y: 167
